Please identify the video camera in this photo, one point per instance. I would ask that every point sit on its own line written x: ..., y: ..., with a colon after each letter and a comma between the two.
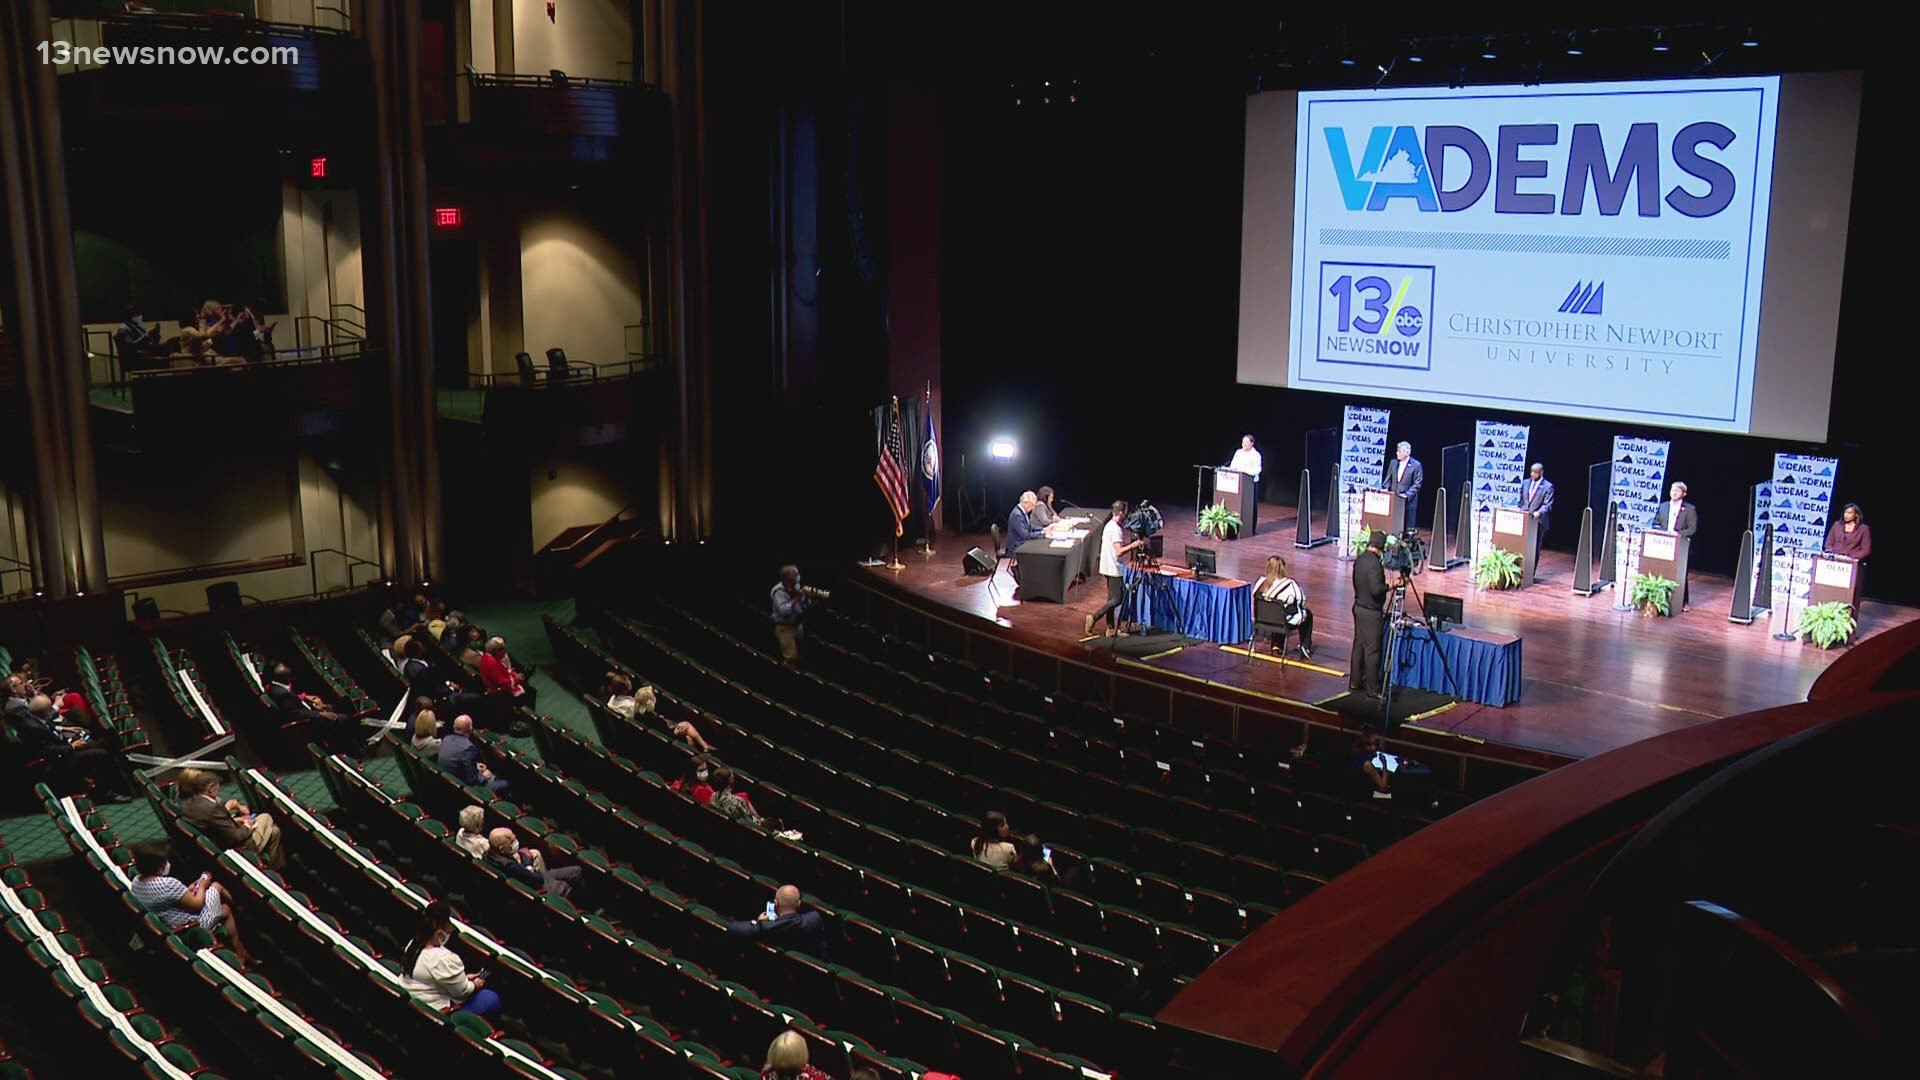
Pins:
x: 1144, y: 521
x: 1407, y: 554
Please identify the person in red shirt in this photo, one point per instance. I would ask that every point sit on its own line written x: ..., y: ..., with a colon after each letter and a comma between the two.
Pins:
x: 787, y: 1059
x: 498, y: 675
x: 695, y: 782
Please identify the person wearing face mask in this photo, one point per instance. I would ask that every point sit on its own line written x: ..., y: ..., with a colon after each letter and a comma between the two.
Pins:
x: 521, y: 864
x: 135, y: 341
x: 437, y: 976
x: 204, y: 903
x: 695, y: 781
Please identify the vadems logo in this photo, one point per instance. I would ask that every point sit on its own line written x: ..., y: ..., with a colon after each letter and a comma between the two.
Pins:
x: 1585, y: 299
x: 1405, y: 163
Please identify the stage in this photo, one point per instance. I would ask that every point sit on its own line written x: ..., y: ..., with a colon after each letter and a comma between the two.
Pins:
x: 1596, y: 678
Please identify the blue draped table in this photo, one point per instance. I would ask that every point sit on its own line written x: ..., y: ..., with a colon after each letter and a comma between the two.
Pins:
x: 1486, y: 664
x: 1217, y: 609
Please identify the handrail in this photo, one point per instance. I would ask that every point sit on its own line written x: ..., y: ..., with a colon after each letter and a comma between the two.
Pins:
x: 265, y: 27
x: 577, y: 371
x: 482, y: 78
x: 286, y: 358
x: 353, y: 561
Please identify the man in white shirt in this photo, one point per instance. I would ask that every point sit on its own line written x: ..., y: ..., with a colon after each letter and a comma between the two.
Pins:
x: 1111, y: 548
x: 1246, y: 459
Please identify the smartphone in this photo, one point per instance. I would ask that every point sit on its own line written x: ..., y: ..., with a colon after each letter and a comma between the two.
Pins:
x: 483, y: 973
x: 769, y: 909
x: 1386, y: 761
x: 1046, y: 853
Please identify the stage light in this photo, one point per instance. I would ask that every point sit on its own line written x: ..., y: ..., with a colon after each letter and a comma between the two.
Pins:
x: 1749, y: 41
x: 1573, y: 46
x: 1346, y: 61
x: 1659, y: 41
x: 1486, y: 49
x: 1415, y: 58
x: 1003, y: 449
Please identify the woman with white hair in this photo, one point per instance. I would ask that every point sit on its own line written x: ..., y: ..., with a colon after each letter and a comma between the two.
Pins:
x: 787, y: 1060
x: 501, y: 680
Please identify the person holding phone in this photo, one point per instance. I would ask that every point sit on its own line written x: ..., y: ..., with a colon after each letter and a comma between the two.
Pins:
x: 203, y: 903
x: 438, y: 977
x: 784, y: 926
x: 1368, y: 760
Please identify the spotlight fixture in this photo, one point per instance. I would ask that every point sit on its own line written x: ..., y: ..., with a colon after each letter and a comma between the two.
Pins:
x: 1486, y: 49
x: 1346, y: 61
x: 1660, y: 41
x: 1003, y: 448
x: 1573, y: 46
x: 1749, y: 41
x: 1415, y: 58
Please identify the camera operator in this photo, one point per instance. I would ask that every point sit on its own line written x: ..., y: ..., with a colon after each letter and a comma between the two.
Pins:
x: 1369, y: 616
x: 791, y: 601
x: 1111, y: 548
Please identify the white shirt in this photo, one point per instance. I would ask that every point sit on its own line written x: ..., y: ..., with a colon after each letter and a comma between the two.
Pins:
x: 1246, y: 461
x: 439, y: 978
x: 1110, y: 549
x: 1287, y: 591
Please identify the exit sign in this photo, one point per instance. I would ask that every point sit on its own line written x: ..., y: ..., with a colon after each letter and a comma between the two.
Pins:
x: 318, y: 168
x: 446, y: 217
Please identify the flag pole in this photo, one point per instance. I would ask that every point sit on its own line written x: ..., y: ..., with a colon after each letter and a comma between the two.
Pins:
x: 897, y: 564
x: 926, y: 549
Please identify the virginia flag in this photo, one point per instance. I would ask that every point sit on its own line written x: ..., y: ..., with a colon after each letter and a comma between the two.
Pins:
x: 930, y: 459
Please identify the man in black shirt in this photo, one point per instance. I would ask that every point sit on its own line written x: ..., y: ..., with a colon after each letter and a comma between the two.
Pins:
x: 1369, y: 616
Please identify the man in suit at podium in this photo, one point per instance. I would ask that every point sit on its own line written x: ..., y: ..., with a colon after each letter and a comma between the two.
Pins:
x: 1404, y: 478
x: 1679, y: 516
x: 1536, y: 498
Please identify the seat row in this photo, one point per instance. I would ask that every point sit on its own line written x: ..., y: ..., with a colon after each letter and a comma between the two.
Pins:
x: 184, y: 684
x: 106, y: 694
x: 416, y: 1037
x: 732, y: 1019
x: 874, y: 1009
x: 265, y: 1025
x: 114, y: 1029
x: 1229, y: 888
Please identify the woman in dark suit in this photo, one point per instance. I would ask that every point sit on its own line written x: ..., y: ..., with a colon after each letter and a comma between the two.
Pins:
x: 1850, y: 536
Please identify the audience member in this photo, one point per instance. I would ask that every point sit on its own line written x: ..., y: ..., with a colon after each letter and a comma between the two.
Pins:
x: 394, y: 623
x: 436, y: 620
x: 694, y: 781
x: 229, y: 823
x: 342, y: 728
x: 78, y: 760
x: 788, y: 927
x: 790, y: 604
x: 1365, y: 750
x: 135, y: 341
x: 787, y: 1059
x: 437, y: 976
x: 624, y: 700
x: 426, y: 733
x: 470, y: 838
x: 501, y: 680
x: 994, y: 844
x: 735, y: 806
x: 417, y: 608
x: 204, y: 903
x: 527, y: 866
x: 460, y: 756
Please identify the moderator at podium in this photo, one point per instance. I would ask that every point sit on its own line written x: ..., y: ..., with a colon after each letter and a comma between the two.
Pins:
x: 1678, y: 516
x: 1247, y: 460
x: 1404, y: 478
x: 1850, y: 536
x: 1536, y: 498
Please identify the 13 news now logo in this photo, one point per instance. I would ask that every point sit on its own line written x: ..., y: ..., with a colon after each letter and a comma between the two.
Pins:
x: 1404, y: 162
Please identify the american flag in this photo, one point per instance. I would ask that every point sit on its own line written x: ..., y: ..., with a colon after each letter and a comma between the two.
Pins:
x: 890, y: 473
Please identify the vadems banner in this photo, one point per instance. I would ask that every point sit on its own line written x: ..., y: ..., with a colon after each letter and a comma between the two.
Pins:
x: 1363, y: 461
x: 1591, y: 251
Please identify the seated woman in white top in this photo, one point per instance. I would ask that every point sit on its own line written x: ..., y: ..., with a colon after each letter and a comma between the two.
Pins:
x: 624, y: 700
x: 1275, y: 585
x: 426, y: 732
x: 994, y: 845
x: 437, y: 976
x: 472, y: 837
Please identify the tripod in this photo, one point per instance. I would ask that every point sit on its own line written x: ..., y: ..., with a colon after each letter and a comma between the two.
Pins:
x: 1157, y: 584
x: 1399, y: 626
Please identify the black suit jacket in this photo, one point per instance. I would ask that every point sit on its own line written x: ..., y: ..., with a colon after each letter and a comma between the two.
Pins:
x: 290, y: 703
x: 1369, y: 582
x: 802, y: 930
x: 1689, y: 521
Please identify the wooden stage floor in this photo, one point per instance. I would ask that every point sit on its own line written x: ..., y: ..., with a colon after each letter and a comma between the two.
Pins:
x: 1596, y: 678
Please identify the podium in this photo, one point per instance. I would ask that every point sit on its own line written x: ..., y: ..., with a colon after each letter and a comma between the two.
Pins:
x: 1517, y: 531
x: 1663, y: 553
x: 1835, y: 577
x: 1382, y: 509
x: 1240, y: 493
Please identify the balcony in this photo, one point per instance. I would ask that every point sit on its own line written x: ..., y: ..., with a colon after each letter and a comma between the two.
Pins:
x: 541, y: 119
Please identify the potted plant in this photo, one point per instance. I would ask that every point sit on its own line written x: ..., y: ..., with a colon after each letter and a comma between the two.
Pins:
x: 1360, y: 542
x: 1652, y: 594
x: 1216, y: 521
x: 1497, y: 569
x: 1828, y: 624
